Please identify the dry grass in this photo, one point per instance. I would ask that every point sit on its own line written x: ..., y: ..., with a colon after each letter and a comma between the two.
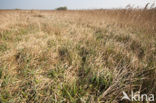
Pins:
x: 76, y: 56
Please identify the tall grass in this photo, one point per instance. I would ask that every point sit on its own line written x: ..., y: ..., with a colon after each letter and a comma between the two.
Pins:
x: 82, y: 56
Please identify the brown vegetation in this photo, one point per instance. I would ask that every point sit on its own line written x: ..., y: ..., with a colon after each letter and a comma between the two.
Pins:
x: 76, y: 56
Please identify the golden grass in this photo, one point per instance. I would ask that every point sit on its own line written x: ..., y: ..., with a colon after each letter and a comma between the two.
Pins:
x: 76, y: 56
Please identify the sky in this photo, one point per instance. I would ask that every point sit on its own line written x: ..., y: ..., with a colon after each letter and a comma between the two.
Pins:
x: 71, y: 4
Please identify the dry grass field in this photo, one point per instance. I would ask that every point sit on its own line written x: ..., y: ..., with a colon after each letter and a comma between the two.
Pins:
x: 85, y: 56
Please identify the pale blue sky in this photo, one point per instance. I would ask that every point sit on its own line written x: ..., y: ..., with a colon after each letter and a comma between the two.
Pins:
x: 71, y: 4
